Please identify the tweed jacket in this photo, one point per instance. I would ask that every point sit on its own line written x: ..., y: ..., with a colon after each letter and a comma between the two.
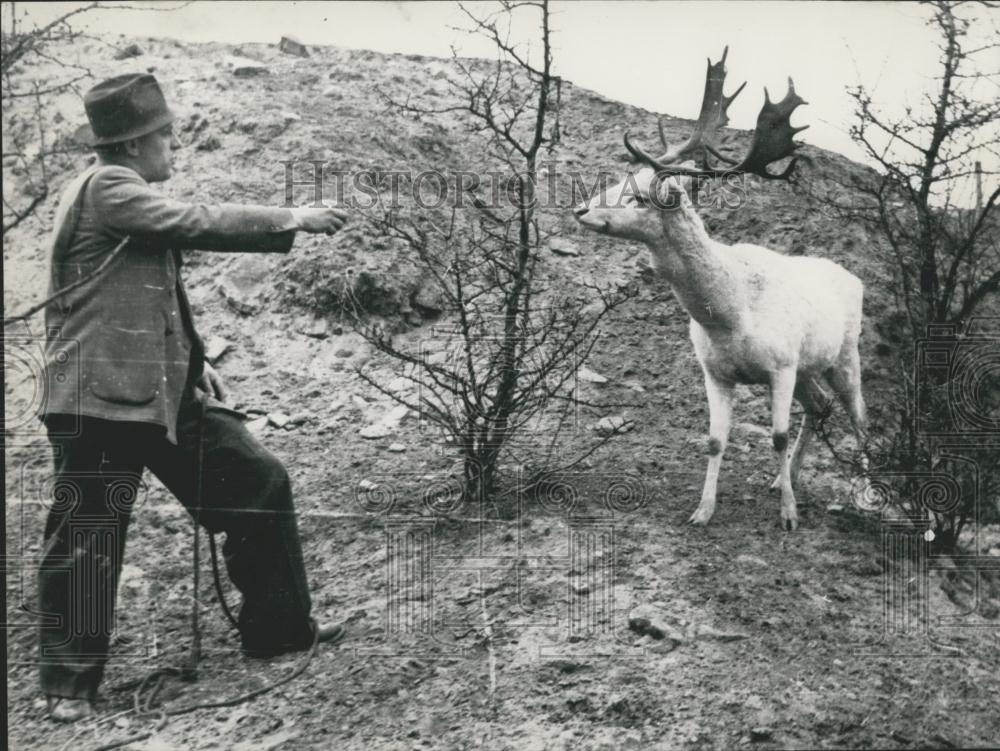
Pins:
x: 123, y: 345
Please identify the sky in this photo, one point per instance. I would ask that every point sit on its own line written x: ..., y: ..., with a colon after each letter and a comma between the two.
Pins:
x: 648, y: 54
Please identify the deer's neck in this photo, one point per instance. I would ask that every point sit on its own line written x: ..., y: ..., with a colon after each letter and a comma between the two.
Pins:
x: 697, y: 269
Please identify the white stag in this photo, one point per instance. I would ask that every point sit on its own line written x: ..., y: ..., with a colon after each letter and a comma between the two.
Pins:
x: 757, y: 317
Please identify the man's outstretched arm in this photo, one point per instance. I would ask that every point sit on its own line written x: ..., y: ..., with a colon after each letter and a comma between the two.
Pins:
x: 130, y: 207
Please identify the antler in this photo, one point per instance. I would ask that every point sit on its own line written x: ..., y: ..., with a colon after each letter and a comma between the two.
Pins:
x: 713, y: 115
x: 772, y: 141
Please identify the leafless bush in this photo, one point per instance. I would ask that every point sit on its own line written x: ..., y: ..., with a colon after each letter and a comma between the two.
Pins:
x: 944, y: 394
x: 511, y: 347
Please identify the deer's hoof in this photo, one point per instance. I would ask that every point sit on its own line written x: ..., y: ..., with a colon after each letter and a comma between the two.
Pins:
x: 789, y: 522
x: 700, y: 517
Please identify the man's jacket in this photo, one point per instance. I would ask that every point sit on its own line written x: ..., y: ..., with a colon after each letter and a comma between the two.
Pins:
x: 123, y: 345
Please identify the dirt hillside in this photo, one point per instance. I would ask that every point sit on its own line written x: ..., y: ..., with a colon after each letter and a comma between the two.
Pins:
x: 661, y: 636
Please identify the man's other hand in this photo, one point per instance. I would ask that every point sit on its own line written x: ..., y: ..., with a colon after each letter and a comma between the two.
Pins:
x: 212, y: 384
x: 319, y: 220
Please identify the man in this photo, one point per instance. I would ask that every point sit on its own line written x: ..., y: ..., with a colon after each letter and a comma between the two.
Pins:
x: 128, y: 388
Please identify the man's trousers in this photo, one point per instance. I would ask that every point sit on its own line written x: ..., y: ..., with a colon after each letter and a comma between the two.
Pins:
x: 245, y: 493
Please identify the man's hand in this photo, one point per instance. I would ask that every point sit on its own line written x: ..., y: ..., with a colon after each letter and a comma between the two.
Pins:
x: 319, y: 220
x: 211, y: 383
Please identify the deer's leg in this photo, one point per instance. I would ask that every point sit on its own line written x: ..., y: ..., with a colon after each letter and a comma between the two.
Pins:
x: 720, y: 405
x: 845, y: 378
x: 782, y: 392
x: 802, y: 443
x: 806, y: 431
x: 814, y: 401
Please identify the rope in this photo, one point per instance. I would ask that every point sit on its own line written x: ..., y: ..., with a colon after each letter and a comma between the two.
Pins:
x: 145, y: 706
x: 152, y: 684
x: 149, y: 687
x: 191, y: 672
x: 218, y: 583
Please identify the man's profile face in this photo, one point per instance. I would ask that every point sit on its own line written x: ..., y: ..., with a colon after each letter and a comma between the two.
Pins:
x: 153, y: 154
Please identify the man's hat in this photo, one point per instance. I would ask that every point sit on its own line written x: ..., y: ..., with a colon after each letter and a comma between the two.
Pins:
x: 123, y: 107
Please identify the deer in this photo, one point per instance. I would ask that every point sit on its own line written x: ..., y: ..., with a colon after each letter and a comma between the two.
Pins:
x: 792, y: 323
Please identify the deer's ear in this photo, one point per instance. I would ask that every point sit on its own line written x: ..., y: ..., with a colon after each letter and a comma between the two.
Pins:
x: 671, y: 189
x: 669, y: 193
x: 684, y: 180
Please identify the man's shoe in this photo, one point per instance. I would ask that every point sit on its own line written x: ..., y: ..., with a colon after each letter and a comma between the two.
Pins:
x: 330, y: 633
x: 68, y: 710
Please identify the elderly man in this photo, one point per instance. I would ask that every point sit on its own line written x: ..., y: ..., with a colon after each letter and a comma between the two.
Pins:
x: 128, y: 388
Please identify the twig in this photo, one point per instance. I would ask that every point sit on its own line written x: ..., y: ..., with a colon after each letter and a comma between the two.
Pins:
x: 488, y: 632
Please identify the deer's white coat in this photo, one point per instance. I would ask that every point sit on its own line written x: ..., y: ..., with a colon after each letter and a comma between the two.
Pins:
x: 757, y: 316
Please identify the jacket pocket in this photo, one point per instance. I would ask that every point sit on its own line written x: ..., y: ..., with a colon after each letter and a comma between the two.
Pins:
x: 124, y: 368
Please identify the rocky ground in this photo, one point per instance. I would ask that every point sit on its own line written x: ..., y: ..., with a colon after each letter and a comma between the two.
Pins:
x: 590, y: 618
